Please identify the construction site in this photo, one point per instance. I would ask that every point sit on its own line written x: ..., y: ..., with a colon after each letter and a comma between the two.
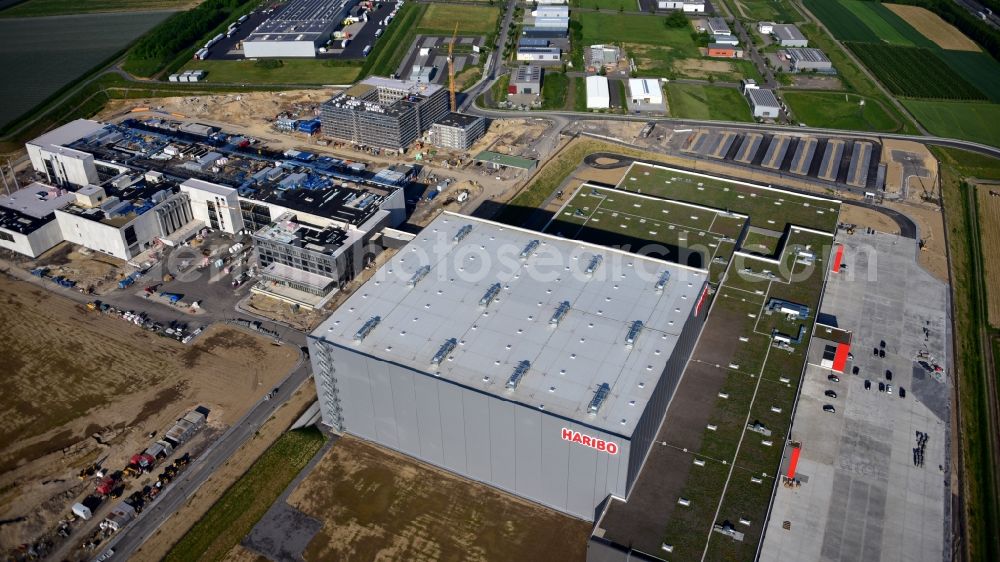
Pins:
x: 108, y: 442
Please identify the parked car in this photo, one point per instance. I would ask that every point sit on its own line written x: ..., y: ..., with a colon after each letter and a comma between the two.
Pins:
x: 833, y: 378
x: 855, y: 370
x: 902, y: 392
x: 830, y: 393
x: 888, y: 388
x: 888, y: 375
x: 881, y: 387
x: 829, y: 408
x: 868, y: 384
x: 881, y: 354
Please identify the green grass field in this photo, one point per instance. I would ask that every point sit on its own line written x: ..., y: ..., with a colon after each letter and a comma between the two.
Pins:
x: 767, y: 208
x: 243, y: 504
x: 780, y: 11
x: 839, y: 111
x: 555, y: 86
x: 602, y: 27
x: 39, y: 8
x: 963, y: 120
x: 606, y: 5
x: 470, y: 19
x: 291, y: 71
x: 693, y: 101
x: 979, y: 69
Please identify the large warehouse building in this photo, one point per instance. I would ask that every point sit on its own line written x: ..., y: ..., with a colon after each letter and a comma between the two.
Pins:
x: 539, y: 365
x: 298, y: 30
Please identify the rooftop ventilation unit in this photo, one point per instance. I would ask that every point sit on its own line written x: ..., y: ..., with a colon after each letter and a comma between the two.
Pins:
x: 526, y: 252
x: 443, y: 351
x: 518, y: 374
x: 462, y: 233
x: 662, y: 282
x: 595, y: 262
x: 559, y: 313
x: 600, y: 395
x: 490, y: 295
x: 633, y: 333
x: 367, y: 328
x: 418, y: 275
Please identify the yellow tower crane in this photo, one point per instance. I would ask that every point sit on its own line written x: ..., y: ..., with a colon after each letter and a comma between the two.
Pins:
x: 451, y: 69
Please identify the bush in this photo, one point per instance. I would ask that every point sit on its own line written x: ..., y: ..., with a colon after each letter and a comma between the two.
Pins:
x: 676, y: 20
x: 269, y: 64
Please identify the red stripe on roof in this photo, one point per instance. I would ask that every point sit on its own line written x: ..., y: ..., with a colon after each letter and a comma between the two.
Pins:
x: 840, y: 359
x: 794, y: 462
x: 837, y: 258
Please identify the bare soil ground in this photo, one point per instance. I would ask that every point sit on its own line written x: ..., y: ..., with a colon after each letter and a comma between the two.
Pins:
x: 930, y: 228
x: 931, y: 26
x: 91, y: 270
x: 69, y: 374
x: 170, y: 532
x: 701, y: 68
x: 379, y: 505
x: 917, y: 187
x: 810, y: 82
x: 280, y: 311
x: 864, y: 217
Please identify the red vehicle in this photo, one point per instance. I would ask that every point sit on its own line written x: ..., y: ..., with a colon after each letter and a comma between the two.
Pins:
x: 106, y: 485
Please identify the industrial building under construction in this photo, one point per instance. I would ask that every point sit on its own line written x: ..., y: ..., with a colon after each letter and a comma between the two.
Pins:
x: 384, y: 113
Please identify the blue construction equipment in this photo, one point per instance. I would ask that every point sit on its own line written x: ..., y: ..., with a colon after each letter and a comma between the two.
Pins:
x: 172, y: 297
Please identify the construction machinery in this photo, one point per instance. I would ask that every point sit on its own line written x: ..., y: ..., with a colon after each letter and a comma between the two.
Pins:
x: 451, y: 69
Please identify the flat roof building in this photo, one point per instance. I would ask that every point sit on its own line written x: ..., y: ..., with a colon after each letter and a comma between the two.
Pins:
x: 526, y: 79
x: 763, y: 102
x: 687, y: 6
x: 383, y: 112
x: 297, y: 30
x: 645, y: 91
x: 788, y: 35
x: 602, y: 56
x: 718, y: 26
x: 809, y: 59
x: 457, y: 131
x: 536, y: 364
x: 538, y: 54
x: 598, y: 92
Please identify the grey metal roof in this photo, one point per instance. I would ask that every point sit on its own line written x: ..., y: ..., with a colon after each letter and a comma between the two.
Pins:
x: 762, y: 97
x: 484, y: 310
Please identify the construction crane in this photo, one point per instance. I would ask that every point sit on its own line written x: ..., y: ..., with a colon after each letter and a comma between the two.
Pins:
x: 451, y: 69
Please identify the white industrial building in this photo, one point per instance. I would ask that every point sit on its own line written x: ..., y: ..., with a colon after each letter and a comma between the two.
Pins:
x: 551, y: 17
x: 645, y: 91
x: 689, y: 6
x: 536, y: 364
x: 297, y: 30
x: 457, y: 131
x: 788, y: 35
x: 64, y: 166
x: 598, y: 92
x: 765, y: 27
x: 808, y: 59
x: 718, y: 26
x: 763, y: 103
x: 27, y: 224
x: 538, y: 54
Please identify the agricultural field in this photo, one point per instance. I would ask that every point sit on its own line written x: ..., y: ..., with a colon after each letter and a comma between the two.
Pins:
x: 601, y: 27
x: 837, y: 110
x: 60, y: 51
x: 988, y: 203
x: 39, y: 8
x: 471, y: 19
x: 695, y: 101
x: 914, y: 72
x: 375, y: 504
x: 869, y: 22
x: 931, y: 26
x: 290, y: 71
x: 962, y: 120
x: 979, y: 69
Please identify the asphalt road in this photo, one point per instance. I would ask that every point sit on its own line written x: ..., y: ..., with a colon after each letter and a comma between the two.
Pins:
x: 125, y: 543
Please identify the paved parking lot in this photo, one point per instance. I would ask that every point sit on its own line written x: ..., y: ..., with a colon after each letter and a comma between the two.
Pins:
x: 860, y: 494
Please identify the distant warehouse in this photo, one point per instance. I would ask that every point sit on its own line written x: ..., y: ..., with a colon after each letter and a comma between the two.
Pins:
x: 297, y: 30
x: 809, y: 59
x: 519, y: 374
x: 384, y: 113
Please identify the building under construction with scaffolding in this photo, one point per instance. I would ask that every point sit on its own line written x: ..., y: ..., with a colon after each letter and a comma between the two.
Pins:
x: 539, y: 365
x: 384, y: 113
